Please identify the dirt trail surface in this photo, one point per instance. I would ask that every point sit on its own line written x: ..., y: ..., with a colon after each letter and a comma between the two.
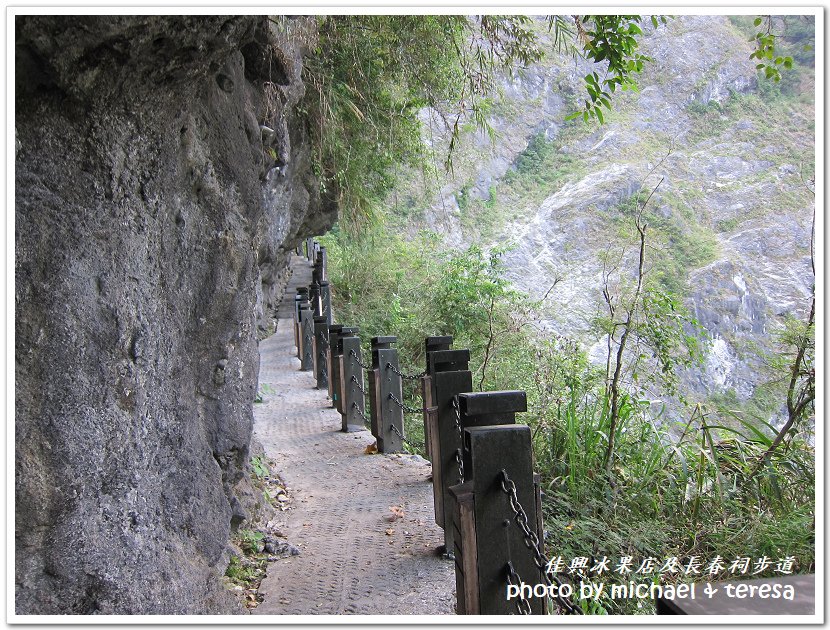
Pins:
x: 363, y: 523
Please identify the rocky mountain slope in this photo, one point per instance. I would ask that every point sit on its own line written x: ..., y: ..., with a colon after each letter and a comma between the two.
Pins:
x: 730, y: 222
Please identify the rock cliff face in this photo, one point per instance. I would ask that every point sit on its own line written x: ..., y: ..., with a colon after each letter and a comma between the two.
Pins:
x: 162, y: 173
x: 732, y: 211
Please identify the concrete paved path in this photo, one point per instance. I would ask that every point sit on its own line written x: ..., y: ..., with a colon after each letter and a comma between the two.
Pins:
x: 357, y: 556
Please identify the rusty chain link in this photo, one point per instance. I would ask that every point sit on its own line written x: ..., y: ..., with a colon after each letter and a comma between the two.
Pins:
x: 406, y: 441
x: 359, y: 362
x: 411, y: 377
x: 532, y: 541
x: 459, y: 458
x: 513, y: 579
x: 307, y: 351
x: 360, y: 411
x: 401, y: 404
x: 359, y: 386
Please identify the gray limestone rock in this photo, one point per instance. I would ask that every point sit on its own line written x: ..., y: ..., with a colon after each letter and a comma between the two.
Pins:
x: 146, y: 228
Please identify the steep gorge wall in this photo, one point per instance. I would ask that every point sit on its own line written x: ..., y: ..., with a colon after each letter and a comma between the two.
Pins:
x: 152, y: 225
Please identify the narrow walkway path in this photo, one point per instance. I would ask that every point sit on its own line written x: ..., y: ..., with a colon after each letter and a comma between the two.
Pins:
x: 357, y: 556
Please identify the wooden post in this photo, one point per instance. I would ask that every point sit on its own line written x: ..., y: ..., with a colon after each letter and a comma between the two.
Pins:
x: 430, y: 417
x: 306, y: 338
x: 385, y: 383
x: 351, y: 384
x: 450, y: 377
x: 488, y: 408
x: 337, y: 365
x: 489, y: 450
x: 314, y: 299
x: 465, y: 548
x: 299, y: 298
x: 321, y: 348
x: 375, y: 398
x: 296, y: 322
x: 325, y: 301
x: 334, y: 331
x: 428, y: 391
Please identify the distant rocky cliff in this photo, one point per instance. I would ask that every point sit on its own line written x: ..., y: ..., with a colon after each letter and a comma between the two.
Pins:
x: 732, y: 210
x: 162, y: 174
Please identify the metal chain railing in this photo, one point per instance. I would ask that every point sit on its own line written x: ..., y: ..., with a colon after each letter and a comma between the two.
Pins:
x: 359, y: 386
x: 411, y: 377
x: 360, y: 412
x: 401, y: 404
x: 533, y: 543
x: 307, y: 351
x: 359, y: 362
x: 513, y: 579
x: 459, y: 457
x: 405, y: 440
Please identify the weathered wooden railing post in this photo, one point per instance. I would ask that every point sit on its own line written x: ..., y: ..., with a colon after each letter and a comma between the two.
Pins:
x: 306, y: 337
x: 491, y: 550
x: 450, y: 378
x: 385, y: 383
x: 337, y: 365
x: 333, y: 363
x: 488, y: 408
x: 351, y: 384
x: 321, y: 349
x: 309, y: 248
x: 317, y: 266
x: 325, y: 263
x: 428, y: 392
x: 325, y: 300
x: 299, y: 298
x: 314, y: 299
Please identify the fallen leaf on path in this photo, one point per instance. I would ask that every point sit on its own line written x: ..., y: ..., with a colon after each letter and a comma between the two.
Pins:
x: 372, y: 449
x: 397, y: 510
x: 390, y: 532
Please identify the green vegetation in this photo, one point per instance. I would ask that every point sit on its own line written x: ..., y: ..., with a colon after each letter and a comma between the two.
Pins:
x: 370, y: 76
x: 248, y: 570
x: 782, y: 42
x: 611, y: 39
x: 250, y: 541
x: 678, y: 242
x: 241, y: 573
x: 680, y: 483
x: 542, y: 166
x: 412, y: 288
x: 264, y: 388
x: 625, y: 472
x: 260, y: 467
x: 538, y: 171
